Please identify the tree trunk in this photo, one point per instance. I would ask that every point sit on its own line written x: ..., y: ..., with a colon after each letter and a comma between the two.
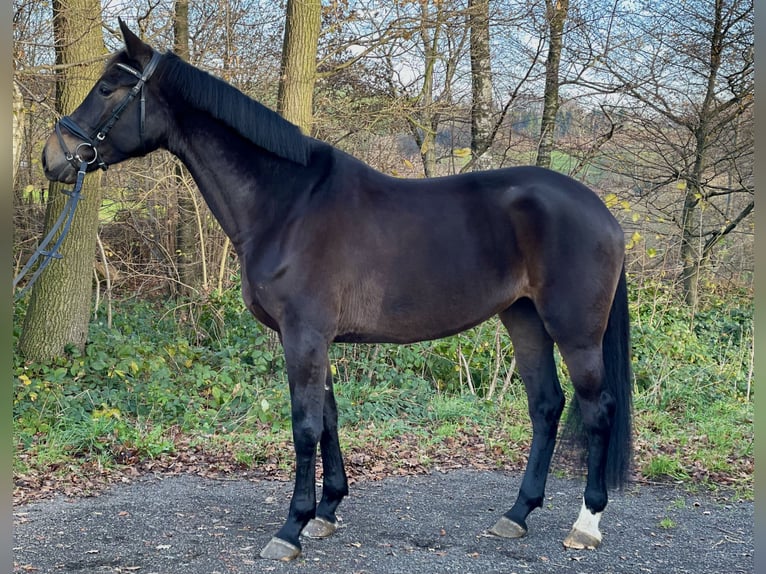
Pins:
x: 187, y: 237
x: 430, y: 125
x: 59, y: 308
x: 556, y: 13
x: 691, y: 245
x: 691, y: 241
x: 297, y: 73
x: 181, y: 29
x: 425, y: 124
x: 18, y: 127
x: 425, y: 132
x: 481, y: 82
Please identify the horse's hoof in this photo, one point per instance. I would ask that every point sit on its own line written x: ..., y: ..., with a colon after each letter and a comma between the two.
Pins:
x: 278, y: 549
x: 585, y: 532
x: 579, y: 540
x: 319, y: 528
x: 507, y: 528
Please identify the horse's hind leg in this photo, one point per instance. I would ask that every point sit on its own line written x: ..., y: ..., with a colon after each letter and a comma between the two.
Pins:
x: 533, y: 349
x: 334, y: 481
x: 586, y: 368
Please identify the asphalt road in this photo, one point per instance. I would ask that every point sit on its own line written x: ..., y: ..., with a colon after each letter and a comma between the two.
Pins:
x: 419, y: 524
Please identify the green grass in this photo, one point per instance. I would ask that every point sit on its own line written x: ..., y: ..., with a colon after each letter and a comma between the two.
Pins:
x: 216, y: 379
x: 663, y: 465
x: 667, y: 523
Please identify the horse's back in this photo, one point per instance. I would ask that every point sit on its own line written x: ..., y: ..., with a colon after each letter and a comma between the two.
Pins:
x: 422, y: 259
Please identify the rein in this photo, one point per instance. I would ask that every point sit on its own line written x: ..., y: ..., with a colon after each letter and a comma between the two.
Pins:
x: 81, y: 164
x: 65, y: 219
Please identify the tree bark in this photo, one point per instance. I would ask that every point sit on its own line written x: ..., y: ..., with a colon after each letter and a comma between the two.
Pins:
x: 181, y: 29
x: 18, y: 127
x: 298, y: 68
x: 59, y: 307
x: 430, y: 125
x: 556, y: 13
x: 481, y: 83
x: 187, y: 252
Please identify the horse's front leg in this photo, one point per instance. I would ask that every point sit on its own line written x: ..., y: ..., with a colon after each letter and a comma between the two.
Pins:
x: 306, y: 358
x: 334, y: 481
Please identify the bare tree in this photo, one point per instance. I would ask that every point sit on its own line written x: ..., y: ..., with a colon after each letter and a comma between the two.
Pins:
x: 397, y: 79
x: 556, y: 15
x: 690, y: 81
x: 59, y: 308
x: 438, y: 33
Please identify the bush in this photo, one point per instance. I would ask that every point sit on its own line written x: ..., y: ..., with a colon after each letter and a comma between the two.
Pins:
x: 684, y: 359
x: 205, y: 367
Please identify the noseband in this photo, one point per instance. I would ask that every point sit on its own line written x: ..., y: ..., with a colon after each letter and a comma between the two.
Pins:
x: 99, y: 134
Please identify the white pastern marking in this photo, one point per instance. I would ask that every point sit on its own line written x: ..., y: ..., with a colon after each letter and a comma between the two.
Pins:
x: 587, y: 522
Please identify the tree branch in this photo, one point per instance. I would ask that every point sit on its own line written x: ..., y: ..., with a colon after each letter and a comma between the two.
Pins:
x: 717, y: 235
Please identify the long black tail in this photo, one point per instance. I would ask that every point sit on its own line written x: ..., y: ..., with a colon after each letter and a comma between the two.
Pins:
x: 618, y: 381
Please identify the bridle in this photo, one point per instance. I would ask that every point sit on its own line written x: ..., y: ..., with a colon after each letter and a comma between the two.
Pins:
x: 64, y: 220
x: 99, y: 134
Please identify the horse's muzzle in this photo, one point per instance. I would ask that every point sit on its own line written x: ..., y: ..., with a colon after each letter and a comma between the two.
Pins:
x: 55, y: 165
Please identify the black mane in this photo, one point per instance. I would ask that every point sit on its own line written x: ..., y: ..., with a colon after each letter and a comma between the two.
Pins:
x: 251, y: 119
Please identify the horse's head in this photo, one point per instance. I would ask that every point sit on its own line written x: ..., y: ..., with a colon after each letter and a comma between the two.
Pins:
x: 121, y: 117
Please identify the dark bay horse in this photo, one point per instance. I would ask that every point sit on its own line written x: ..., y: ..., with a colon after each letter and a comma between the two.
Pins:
x: 332, y: 250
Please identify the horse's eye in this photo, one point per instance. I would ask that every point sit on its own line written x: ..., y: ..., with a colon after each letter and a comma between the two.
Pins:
x: 105, y: 90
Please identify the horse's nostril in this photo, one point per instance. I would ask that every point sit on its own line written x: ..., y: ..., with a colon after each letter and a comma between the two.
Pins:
x: 45, y: 161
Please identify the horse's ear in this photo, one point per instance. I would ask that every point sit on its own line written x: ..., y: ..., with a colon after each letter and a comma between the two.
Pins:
x: 135, y: 48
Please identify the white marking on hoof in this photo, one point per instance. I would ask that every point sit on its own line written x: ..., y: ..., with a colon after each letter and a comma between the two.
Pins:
x: 278, y: 549
x: 319, y: 528
x: 507, y: 528
x: 585, y: 532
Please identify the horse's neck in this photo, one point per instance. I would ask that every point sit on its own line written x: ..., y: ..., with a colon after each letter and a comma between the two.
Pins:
x: 238, y: 180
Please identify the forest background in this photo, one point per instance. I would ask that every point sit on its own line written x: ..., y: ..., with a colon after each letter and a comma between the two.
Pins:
x: 135, y: 351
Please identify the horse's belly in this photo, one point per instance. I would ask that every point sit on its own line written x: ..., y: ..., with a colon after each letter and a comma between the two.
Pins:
x: 424, y: 313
